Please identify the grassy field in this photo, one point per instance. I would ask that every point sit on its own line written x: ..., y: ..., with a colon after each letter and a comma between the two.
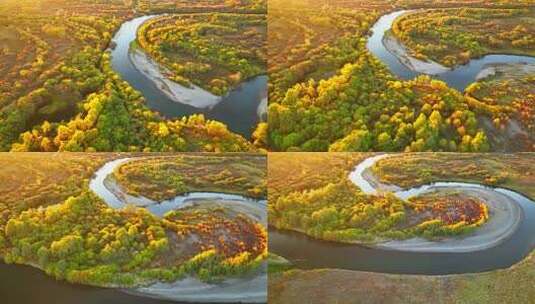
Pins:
x: 166, y: 177
x: 50, y: 219
x: 512, y: 285
x: 308, y: 172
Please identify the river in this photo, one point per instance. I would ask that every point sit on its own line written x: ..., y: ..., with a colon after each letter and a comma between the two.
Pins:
x: 241, y: 109
x: 483, y: 252
x: 26, y: 284
x: 459, y: 77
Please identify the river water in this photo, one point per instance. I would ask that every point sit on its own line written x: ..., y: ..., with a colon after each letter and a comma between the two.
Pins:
x: 25, y: 285
x: 239, y: 109
x: 460, y: 77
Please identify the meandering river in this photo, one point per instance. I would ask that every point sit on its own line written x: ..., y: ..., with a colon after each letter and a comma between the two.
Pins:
x: 459, y: 77
x: 26, y: 284
x: 249, y: 289
x: 501, y: 242
x: 241, y: 109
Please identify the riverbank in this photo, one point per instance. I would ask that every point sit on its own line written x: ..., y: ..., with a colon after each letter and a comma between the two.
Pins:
x: 509, y: 69
x: 262, y: 109
x: 193, y: 96
x: 395, y: 47
x: 511, y: 285
x: 233, y: 290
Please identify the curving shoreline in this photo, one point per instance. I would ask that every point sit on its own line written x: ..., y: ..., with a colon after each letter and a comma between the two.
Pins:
x: 250, y: 289
x: 194, y: 96
x: 238, y: 109
x: 504, y: 240
x: 389, y: 50
x: 505, y: 213
x: 398, y: 49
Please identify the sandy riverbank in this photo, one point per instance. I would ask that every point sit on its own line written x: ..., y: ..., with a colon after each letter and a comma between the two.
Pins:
x: 232, y: 290
x: 262, y: 109
x: 194, y: 96
x: 394, y: 46
x: 509, y: 70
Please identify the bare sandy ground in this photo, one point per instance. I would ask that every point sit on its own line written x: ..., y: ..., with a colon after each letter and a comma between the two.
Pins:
x: 233, y: 290
x: 395, y: 47
x: 193, y: 96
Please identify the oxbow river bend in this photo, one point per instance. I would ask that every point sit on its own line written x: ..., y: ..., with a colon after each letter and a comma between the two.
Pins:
x: 494, y: 249
x: 459, y: 77
x: 241, y: 109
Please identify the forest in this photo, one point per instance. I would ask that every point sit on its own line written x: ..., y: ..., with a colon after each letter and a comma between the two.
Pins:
x: 337, y: 210
x: 214, y: 51
x: 58, y: 91
x: 332, y: 94
x: 71, y: 234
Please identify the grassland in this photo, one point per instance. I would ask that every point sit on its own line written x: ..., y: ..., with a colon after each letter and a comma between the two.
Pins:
x: 55, y: 223
x: 214, y: 51
x: 166, y: 177
x: 512, y: 285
